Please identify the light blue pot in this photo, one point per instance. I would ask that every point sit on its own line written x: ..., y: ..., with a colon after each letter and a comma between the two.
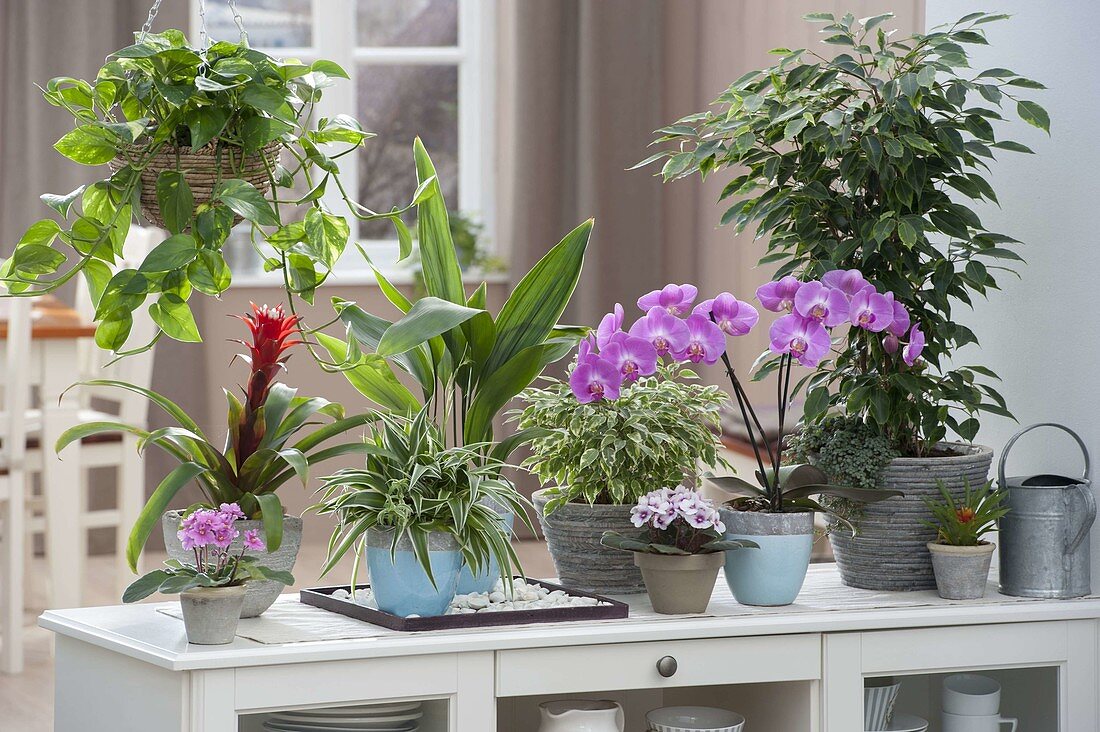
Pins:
x: 401, y: 587
x: 773, y: 574
x: 483, y: 581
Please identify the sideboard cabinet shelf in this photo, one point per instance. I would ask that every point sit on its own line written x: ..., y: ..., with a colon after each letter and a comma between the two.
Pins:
x: 796, y: 669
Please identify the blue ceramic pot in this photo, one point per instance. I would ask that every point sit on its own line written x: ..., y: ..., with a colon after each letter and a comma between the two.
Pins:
x: 773, y: 574
x: 401, y: 586
x: 483, y: 581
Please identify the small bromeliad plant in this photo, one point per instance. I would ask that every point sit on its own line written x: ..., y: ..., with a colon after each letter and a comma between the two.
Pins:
x: 209, y: 534
x: 963, y: 521
x: 258, y: 455
x: 675, y: 521
x: 869, y: 157
x: 197, y: 139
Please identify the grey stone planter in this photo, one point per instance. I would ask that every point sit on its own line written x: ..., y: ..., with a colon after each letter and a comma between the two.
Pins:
x: 210, y: 614
x: 261, y: 593
x: 962, y: 572
x: 890, y: 550
x: 679, y: 584
x: 573, y: 534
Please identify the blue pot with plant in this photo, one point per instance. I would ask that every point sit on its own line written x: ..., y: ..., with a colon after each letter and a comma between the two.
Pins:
x: 420, y: 510
x: 468, y: 581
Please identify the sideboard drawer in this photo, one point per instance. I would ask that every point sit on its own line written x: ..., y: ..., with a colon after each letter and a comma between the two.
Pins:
x: 567, y: 670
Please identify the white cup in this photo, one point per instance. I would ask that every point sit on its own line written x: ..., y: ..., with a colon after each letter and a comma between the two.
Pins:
x: 976, y: 723
x: 971, y: 695
x: 878, y: 703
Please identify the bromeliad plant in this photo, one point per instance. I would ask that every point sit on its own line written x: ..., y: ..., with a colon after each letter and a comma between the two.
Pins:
x: 465, y: 362
x: 414, y: 484
x: 194, y: 137
x: 209, y: 534
x: 258, y: 456
x: 963, y: 521
x: 676, y: 521
x: 865, y: 160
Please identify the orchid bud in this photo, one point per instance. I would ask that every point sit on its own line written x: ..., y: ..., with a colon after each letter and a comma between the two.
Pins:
x: 890, y: 344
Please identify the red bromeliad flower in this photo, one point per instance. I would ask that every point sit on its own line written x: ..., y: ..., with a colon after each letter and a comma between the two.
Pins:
x: 273, y: 334
x: 964, y: 514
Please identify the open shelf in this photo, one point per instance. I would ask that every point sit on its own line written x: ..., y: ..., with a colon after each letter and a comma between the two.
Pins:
x: 1028, y: 694
x: 436, y: 714
x: 788, y: 706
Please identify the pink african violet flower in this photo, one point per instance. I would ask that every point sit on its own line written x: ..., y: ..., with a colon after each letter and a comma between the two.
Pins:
x: 900, y: 324
x: 778, y: 296
x: 817, y: 302
x: 662, y: 507
x: 913, y: 348
x: 848, y: 281
x: 870, y: 310
x: 252, y: 540
x: 594, y: 380
x: 674, y: 299
x: 632, y: 356
x: 231, y: 509
x: 705, y: 341
x: 666, y: 332
x: 806, y: 340
x: 609, y: 326
x: 735, y: 317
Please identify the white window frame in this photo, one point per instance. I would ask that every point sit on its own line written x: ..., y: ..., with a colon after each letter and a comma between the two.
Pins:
x: 334, y: 38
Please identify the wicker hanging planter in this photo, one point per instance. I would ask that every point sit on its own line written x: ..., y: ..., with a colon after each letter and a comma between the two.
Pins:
x: 203, y: 169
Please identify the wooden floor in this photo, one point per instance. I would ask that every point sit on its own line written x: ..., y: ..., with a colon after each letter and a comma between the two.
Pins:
x: 26, y: 701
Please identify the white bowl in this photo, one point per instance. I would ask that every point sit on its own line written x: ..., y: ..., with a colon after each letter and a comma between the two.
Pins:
x: 694, y: 719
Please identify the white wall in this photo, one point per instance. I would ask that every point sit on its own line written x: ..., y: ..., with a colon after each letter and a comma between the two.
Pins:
x: 1042, y: 333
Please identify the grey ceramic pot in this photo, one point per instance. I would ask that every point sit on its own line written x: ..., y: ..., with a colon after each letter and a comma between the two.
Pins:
x: 679, y: 584
x: 210, y: 614
x: 573, y: 534
x: 890, y: 549
x: 962, y: 572
x: 261, y: 593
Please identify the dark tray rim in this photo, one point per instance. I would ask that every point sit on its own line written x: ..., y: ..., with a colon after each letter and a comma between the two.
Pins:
x: 322, y: 597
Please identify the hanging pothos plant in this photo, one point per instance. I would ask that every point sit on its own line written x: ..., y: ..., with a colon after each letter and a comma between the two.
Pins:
x: 194, y: 138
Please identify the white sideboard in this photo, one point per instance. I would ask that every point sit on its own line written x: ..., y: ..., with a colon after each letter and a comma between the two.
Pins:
x: 794, y: 669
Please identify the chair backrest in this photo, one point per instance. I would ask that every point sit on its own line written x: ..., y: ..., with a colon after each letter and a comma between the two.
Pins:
x: 16, y: 383
x: 136, y: 369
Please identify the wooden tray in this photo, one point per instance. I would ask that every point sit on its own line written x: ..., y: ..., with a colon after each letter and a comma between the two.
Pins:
x: 322, y: 597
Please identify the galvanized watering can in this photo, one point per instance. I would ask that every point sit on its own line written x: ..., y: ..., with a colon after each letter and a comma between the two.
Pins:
x: 1045, y: 536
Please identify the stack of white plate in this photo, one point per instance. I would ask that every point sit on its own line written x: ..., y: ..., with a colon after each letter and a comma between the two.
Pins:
x: 396, y: 717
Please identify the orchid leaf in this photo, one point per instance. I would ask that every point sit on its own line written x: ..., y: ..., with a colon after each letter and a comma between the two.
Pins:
x: 735, y: 486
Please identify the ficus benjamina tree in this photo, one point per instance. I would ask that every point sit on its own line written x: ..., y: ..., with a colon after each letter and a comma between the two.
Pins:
x: 869, y: 159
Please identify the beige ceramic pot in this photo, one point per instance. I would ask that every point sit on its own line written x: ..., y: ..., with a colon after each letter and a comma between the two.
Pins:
x: 679, y: 584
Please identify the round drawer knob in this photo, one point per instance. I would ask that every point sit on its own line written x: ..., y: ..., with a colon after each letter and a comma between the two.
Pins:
x: 666, y: 666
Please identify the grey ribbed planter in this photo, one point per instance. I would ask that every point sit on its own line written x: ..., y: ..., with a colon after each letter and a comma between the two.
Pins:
x: 261, y: 593
x: 573, y: 535
x: 890, y: 551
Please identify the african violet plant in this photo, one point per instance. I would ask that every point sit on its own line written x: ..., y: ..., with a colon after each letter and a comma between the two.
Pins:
x: 194, y: 138
x: 675, y: 521
x: 258, y: 456
x: 863, y: 160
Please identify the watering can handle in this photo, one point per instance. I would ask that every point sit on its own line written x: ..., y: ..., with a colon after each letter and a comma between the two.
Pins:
x: 1002, y: 484
x: 1086, y: 523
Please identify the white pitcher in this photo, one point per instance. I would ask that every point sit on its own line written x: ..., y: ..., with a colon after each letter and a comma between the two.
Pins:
x: 581, y: 715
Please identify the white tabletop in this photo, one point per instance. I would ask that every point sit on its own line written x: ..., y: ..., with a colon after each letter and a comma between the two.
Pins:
x: 290, y: 633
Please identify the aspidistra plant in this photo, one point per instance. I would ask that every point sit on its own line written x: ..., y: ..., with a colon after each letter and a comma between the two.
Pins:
x: 258, y: 456
x: 467, y: 363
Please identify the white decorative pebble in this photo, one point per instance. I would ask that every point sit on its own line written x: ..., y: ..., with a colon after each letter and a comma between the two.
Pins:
x: 477, y: 601
x: 496, y: 596
x: 341, y: 594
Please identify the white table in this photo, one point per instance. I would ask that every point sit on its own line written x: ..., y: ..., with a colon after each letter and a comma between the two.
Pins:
x: 795, y: 669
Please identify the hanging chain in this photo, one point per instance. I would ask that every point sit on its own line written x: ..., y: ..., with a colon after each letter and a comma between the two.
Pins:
x: 239, y: 21
x: 149, y: 20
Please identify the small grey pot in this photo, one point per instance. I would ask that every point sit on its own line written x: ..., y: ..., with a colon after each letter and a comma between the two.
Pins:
x: 261, y: 593
x: 679, y: 584
x: 962, y: 572
x: 210, y: 614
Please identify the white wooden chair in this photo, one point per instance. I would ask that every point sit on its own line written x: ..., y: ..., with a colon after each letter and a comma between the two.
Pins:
x: 108, y: 404
x: 16, y: 395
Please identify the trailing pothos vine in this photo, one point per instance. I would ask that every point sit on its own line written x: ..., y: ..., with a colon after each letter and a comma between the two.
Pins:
x: 155, y: 112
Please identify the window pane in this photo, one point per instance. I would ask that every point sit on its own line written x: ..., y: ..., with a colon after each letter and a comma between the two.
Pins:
x: 398, y: 103
x: 408, y: 22
x: 269, y: 23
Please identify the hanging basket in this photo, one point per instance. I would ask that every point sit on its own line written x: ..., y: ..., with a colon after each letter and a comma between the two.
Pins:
x: 203, y: 170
